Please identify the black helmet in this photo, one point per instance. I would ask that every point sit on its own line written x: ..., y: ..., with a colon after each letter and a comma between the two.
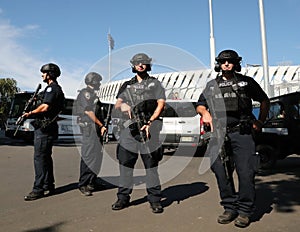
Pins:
x: 52, y: 69
x: 228, y: 55
x: 141, y: 58
x: 93, y: 79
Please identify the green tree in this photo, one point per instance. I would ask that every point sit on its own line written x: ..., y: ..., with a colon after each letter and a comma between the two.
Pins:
x: 8, y: 87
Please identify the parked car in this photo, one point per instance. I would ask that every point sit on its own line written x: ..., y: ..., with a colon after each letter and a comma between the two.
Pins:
x: 181, y: 125
x: 279, y: 137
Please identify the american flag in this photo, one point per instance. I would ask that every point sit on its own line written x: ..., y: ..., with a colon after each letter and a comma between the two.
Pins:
x: 111, y: 41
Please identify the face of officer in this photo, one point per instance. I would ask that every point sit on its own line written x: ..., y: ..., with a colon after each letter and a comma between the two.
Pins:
x: 140, y: 67
x: 45, y: 77
x: 227, y: 65
x: 96, y: 86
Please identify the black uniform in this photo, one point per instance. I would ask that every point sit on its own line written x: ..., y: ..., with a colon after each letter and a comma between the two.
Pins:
x: 46, y: 131
x: 142, y: 97
x: 91, y: 148
x: 236, y: 95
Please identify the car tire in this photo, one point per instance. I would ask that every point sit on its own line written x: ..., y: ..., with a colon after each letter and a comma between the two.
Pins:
x: 268, y: 156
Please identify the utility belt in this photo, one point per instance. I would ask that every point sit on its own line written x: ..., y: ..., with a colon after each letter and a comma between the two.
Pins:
x: 244, y: 127
x: 82, y: 123
x: 87, y: 127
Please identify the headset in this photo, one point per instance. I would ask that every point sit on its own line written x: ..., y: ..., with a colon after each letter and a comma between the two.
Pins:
x: 228, y: 55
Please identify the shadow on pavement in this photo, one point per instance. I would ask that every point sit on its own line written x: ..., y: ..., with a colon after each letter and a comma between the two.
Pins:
x: 52, y: 228
x: 182, y: 192
x: 276, y: 194
x: 66, y: 188
x: 177, y: 193
x: 102, y: 185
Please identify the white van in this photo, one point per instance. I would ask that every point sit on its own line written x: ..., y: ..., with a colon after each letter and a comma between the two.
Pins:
x: 181, y: 124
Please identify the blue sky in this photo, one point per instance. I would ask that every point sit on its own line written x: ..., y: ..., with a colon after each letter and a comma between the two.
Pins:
x: 73, y: 34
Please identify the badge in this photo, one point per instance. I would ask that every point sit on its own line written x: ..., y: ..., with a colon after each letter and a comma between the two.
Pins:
x: 87, y: 95
x: 152, y: 84
x: 96, y: 101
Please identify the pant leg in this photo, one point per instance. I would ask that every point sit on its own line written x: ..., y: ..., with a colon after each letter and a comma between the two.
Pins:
x: 245, y: 161
x: 152, y: 177
x: 226, y: 188
x: 127, y: 160
x: 91, y: 157
x: 43, y: 164
x: 49, y: 176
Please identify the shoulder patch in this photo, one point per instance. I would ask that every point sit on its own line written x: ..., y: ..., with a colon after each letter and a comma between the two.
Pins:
x: 49, y: 89
x: 87, y: 95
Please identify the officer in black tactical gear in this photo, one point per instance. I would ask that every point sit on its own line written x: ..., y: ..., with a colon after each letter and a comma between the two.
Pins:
x: 236, y: 92
x: 91, y: 121
x: 46, y: 131
x: 141, y: 100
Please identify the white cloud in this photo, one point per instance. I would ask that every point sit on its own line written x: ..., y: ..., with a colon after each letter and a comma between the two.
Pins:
x: 18, y: 62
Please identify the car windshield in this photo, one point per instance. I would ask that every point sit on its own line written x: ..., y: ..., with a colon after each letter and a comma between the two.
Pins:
x: 179, y: 109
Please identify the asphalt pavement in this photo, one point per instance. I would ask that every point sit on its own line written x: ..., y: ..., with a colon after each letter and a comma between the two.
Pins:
x: 191, y: 200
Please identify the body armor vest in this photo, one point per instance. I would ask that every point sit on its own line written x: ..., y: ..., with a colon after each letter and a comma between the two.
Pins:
x: 235, y: 97
x: 94, y: 104
x: 143, y: 96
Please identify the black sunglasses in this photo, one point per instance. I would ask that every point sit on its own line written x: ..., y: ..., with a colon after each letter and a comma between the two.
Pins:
x: 231, y: 61
x: 140, y: 62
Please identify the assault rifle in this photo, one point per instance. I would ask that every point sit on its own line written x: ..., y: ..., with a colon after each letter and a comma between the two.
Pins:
x: 225, y: 152
x: 27, y: 107
x: 140, y: 120
x: 106, y: 123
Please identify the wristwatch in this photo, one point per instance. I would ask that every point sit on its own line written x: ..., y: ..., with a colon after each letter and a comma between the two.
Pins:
x: 149, y: 122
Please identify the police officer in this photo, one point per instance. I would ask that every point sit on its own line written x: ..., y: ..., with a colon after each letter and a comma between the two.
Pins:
x: 46, y: 131
x: 236, y: 91
x: 141, y: 100
x: 91, y: 121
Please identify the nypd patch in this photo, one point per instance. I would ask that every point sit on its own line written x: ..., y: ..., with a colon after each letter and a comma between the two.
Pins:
x: 49, y: 89
x: 87, y: 95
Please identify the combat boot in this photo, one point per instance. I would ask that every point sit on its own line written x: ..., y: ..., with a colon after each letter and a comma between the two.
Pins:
x: 227, y: 217
x: 242, y: 221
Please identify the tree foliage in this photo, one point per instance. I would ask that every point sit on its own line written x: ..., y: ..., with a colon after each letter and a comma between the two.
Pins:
x: 8, y: 87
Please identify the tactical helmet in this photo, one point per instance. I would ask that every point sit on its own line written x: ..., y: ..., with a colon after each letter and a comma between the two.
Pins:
x: 229, y: 55
x: 141, y: 58
x: 93, y: 79
x: 52, y: 69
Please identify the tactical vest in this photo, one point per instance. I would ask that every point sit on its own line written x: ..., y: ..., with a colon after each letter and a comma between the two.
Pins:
x: 94, y: 104
x: 143, y: 95
x: 235, y: 97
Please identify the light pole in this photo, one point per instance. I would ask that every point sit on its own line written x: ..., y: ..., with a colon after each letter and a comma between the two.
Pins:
x: 211, y: 39
x: 264, y: 48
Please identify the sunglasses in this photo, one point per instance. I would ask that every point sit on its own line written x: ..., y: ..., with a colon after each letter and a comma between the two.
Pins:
x: 140, y: 62
x: 230, y: 61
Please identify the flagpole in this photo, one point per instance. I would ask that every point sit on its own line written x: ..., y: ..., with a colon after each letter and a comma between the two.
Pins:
x: 109, y: 57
